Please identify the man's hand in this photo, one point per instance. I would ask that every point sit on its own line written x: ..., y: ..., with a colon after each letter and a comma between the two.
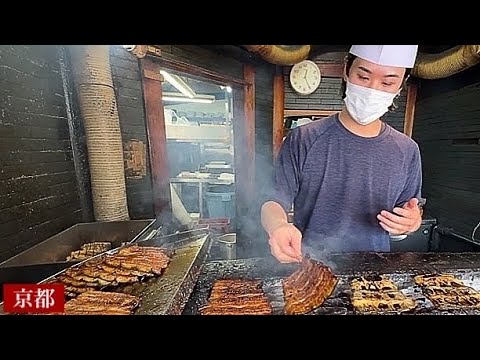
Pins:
x: 403, y: 220
x: 285, y: 243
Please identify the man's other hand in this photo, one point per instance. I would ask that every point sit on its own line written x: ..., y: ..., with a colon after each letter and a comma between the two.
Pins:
x: 403, y: 220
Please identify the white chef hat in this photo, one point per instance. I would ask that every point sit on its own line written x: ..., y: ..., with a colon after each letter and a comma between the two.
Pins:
x: 387, y: 55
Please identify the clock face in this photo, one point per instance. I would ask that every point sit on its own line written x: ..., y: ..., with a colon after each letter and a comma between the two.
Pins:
x: 305, y: 77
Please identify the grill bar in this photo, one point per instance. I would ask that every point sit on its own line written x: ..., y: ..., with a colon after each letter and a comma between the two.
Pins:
x: 57, y: 248
x: 399, y: 267
x: 167, y: 294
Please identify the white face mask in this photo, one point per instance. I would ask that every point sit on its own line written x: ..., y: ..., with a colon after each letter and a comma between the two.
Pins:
x: 366, y: 105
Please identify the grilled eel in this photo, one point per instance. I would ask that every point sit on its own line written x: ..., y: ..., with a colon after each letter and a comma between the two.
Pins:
x: 89, y: 250
x: 129, y: 265
x: 437, y: 280
x: 143, y: 259
x: 237, y: 297
x: 258, y: 309
x: 102, y: 303
x: 377, y: 284
x: 378, y: 295
x: 308, y: 287
x: 446, y: 292
x: 372, y: 301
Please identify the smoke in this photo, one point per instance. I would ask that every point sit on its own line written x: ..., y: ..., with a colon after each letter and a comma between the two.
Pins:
x: 321, y: 249
x: 249, y: 227
x: 252, y: 240
x: 319, y: 246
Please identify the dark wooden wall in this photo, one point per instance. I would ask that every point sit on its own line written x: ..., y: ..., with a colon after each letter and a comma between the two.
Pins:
x: 396, y: 118
x: 131, y: 111
x: 447, y: 128
x: 329, y: 96
x: 38, y: 189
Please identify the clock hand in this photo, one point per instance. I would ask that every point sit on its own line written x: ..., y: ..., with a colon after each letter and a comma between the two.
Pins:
x: 306, y: 80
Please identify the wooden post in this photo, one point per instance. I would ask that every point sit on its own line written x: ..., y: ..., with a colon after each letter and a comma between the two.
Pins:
x: 244, y: 132
x: 410, y: 109
x: 249, y: 128
x: 278, y: 111
x: 157, y: 140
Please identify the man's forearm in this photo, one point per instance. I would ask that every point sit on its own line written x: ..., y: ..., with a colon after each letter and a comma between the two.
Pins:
x: 273, y: 216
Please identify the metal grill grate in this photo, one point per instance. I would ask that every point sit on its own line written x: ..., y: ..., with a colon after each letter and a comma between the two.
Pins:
x: 396, y: 267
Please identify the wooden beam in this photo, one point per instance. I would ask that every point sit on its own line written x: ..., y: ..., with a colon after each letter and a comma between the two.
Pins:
x: 310, y: 112
x: 330, y: 69
x: 140, y: 51
x: 157, y: 140
x: 278, y: 112
x: 236, y: 52
x: 199, y: 72
x: 410, y: 109
x: 153, y: 75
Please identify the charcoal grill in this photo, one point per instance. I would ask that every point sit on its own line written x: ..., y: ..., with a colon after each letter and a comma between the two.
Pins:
x: 57, y: 248
x: 50, y: 256
x: 167, y: 294
x: 399, y: 267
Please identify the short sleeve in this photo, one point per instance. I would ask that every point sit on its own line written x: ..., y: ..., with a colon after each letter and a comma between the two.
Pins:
x: 286, y: 173
x: 413, y: 185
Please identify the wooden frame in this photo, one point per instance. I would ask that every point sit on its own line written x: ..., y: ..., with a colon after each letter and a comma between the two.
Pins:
x: 278, y: 112
x: 244, y: 149
x: 243, y: 127
x: 200, y: 72
x: 157, y: 140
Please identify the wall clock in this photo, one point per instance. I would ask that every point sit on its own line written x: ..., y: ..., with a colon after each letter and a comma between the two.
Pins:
x: 305, y: 77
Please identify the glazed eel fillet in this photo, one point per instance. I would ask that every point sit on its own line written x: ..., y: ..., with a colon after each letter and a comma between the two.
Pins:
x: 237, y: 297
x: 308, y: 287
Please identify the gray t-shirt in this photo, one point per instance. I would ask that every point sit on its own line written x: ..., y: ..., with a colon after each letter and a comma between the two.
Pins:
x: 338, y: 182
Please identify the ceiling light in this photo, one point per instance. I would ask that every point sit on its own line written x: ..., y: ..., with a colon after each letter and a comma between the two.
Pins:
x: 206, y: 99
x: 187, y: 99
x: 179, y: 84
x: 227, y: 88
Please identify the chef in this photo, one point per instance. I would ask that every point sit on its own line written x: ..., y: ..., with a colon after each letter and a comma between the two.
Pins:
x: 352, y: 180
